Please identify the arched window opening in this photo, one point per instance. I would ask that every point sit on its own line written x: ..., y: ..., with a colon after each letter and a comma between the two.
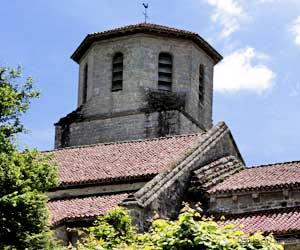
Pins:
x: 84, y: 85
x: 117, y: 72
x: 201, y: 84
x: 165, y: 72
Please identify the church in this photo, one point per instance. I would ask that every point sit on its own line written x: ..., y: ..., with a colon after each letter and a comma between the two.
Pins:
x: 142, y: 137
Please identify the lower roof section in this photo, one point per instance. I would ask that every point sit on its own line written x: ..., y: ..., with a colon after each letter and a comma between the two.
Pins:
x: 82, y: 208
x: 278, y: 221
x: 265, y: 177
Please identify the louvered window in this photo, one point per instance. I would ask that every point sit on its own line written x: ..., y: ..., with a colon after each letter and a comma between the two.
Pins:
x: 117, y: 72
x: 201, y: 83
x: 165, y: 72
x: 85, y: 82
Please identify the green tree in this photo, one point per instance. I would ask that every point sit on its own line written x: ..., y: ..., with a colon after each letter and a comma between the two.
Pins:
x: 24, y: 175
x: 190, y: 231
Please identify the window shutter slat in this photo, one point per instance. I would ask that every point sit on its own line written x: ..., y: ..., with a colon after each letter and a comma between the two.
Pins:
x: 117, y: 72
x: 165, y: 72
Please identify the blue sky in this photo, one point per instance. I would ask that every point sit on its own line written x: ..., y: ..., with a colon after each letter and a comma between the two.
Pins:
x: 257, y: 85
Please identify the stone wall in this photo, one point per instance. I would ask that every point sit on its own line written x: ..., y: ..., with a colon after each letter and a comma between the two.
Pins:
x: 104, y: 112
x: 141, y: 70
x: 291, y: 244
x: 259, y: 200
x: 60, y: 233
x: 127, y: 126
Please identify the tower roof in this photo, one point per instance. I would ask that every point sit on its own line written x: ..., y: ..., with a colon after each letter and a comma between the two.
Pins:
x: 146, y: 28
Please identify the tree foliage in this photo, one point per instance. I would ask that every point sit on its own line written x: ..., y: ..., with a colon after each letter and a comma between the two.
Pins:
x: 24, y: 175
x: 15, y: 98
x: 190, y: 232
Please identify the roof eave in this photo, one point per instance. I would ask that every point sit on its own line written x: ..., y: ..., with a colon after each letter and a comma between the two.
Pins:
x: 109, y: 181
x: 266, y: 188
x: 91, y: 38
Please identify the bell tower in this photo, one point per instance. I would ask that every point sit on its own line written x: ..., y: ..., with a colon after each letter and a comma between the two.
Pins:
x: 140, y: 81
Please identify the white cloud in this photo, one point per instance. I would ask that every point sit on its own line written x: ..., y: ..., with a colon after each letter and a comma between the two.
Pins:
x: 228, y: 13
x: 239, y: 72
x: 295, y: 29
x: 295, y: 90
x: 269, y: 1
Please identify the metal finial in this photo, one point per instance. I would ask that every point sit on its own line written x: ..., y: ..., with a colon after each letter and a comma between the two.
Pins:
x: 146, y: 5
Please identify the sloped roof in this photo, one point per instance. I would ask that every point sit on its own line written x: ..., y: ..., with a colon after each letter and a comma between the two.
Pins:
x: 213, y: 144
x: 277, y: 221
x: 147, y: 28
x: 121, y: 161
x: 82, y: 208
x: 270, y: 176
x: 214, y: 173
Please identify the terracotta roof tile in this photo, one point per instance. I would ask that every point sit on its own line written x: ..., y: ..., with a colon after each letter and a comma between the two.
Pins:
x: 121, y: 161
x: 145, y: 28
x: 215, y: 172
x: 262, y: 177
x: 88, y: 207
x: 277, y: 221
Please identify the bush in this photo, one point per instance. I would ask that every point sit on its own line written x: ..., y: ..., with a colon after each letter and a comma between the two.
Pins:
x: 191, y: 231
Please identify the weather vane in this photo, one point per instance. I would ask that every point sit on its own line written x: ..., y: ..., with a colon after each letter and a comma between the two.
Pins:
x: 146, y: 5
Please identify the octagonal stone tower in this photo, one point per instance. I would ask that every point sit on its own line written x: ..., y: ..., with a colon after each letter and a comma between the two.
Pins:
x: 140, y: 81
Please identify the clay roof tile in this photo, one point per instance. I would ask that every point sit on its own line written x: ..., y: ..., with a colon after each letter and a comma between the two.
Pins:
x: 276, y: 221
x: 78, y: 208
x: 120, y: 161
x: 272, y: 176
